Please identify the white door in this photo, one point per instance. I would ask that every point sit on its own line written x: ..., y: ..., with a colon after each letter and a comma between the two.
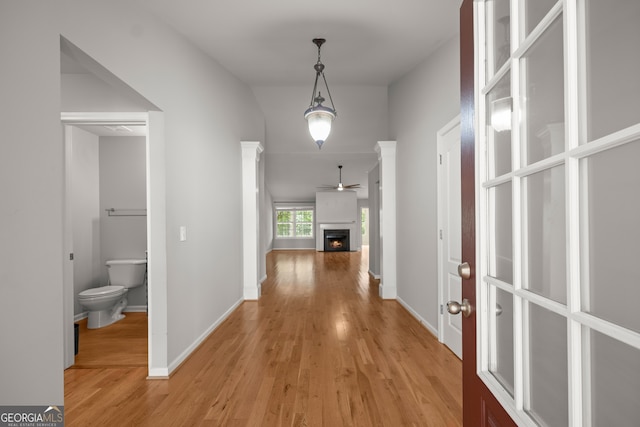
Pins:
x: 449, y: 233
x: 558, y: 109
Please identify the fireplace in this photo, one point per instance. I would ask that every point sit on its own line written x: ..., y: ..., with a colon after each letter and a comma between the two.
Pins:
x: 336, y: 240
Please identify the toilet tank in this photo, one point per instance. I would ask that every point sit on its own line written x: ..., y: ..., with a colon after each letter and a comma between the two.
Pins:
x: 126, y: 272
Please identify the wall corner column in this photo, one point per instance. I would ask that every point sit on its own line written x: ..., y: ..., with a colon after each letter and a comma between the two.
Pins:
x: 388, y: 249
x: 250, y: 219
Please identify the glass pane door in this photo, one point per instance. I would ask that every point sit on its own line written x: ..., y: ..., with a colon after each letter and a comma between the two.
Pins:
x: 559, y: 209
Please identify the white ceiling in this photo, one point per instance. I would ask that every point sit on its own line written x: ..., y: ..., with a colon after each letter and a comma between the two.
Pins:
x: 267, y: 44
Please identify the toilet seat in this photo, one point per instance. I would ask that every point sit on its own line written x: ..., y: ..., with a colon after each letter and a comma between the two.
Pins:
x: 103, y: 291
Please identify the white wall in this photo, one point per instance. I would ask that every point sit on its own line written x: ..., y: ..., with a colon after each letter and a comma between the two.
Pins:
x: 420, y: 104
x: 31, y: 185
x: 86, y: 92
x: 268, y: 223
x: 207, y: 112
x: 336, y: 206
x: 337, y: 210
x: 123, y: 186
x: 374, y: 221
x: 265, y: 229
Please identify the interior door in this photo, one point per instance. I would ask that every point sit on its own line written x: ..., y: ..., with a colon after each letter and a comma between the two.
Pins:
x: 449, y: 250
x: 550, y: 144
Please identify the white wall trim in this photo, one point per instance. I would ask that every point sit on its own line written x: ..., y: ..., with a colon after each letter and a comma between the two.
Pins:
x: 441, y: 221
x: 419, y: 318
x: 375, y: 276
x: 102, y: 118
x: 388, y: 247
x: 128, y: 309
x: 158, y: 374
x: 157, y: 287
x: 185, y: 354
x: 294, y: 249
x: 250, y: 219
x: 135, y: 309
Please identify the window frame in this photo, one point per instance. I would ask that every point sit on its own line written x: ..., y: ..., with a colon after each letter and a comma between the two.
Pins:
x: 294, y: 210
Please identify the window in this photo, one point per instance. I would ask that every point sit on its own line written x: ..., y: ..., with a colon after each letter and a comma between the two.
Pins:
x: 294, y: 223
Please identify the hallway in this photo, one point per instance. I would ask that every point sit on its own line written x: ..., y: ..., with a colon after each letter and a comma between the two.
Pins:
x: 319, y: 348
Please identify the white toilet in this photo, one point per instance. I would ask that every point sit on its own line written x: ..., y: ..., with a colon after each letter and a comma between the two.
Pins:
x: 105, y: 304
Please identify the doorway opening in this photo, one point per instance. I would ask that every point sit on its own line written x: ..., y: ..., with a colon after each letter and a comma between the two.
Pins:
x: 364, y: 226
x: 106, y: 200
x: 154, y: 239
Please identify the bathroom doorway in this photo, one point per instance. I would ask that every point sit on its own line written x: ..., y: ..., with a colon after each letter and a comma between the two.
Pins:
x: 153, y: 241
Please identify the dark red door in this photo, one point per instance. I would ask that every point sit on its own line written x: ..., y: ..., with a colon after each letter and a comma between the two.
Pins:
x: 480, y: 408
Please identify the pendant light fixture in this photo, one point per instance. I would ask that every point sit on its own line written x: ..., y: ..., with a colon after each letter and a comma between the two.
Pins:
x: 317, y: 115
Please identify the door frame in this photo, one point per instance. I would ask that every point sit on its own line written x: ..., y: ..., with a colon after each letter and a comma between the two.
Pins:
x: 442, y: 296
x: 480, y: 407
x: 156, y: 234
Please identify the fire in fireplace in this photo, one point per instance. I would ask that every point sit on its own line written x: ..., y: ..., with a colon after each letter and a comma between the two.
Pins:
x: 336, y: 240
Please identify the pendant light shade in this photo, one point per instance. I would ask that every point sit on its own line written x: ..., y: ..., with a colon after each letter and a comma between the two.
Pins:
x: 319, y: 120
x: 319, y: 117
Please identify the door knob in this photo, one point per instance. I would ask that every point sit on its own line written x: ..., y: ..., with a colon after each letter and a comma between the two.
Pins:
x: 454, y: 307
x: 464, y: 270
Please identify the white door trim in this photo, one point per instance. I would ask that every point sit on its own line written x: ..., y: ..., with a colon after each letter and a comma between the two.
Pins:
x: 156, y: 234
x: 442, y: 295
x: 388, y: 288
x: 252, y: 286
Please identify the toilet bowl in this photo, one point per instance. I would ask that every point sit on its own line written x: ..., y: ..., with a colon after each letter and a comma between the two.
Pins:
x: 106, y: 303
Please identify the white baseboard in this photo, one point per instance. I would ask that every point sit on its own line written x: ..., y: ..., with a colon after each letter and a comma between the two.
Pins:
x: 294, y: 249
x: 185, y: 354
x: 375, y: 276
x: 419, y: 318
x: 263, y: 279
x: 387, y: 291
x: 135, y: 309
x: 128, y: 309
x: 158, y: 374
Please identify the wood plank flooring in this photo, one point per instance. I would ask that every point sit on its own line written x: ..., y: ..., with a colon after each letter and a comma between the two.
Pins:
x: 123, y: 343
x: 320, y: 348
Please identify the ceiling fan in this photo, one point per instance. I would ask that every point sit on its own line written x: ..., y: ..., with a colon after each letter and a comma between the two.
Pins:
x: 340, y: 186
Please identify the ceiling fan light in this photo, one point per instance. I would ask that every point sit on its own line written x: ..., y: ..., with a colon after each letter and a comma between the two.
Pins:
x: 319, y: 119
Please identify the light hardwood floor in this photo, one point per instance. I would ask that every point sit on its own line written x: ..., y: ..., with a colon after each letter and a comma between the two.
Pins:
x: 319, y: 348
